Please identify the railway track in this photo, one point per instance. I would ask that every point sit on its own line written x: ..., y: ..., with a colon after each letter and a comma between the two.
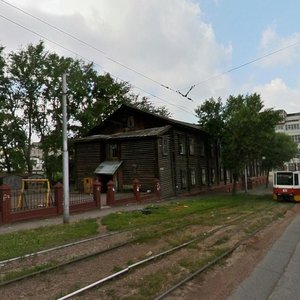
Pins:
x: 118, y: 248
x: 161, y: 255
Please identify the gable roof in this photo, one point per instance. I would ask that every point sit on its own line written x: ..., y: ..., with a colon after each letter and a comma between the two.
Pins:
x: 130, y: 108
x: 149, y: 132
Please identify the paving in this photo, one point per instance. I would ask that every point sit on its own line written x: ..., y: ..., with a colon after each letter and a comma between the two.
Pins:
x: 97, y: 213
x: 277, y: 275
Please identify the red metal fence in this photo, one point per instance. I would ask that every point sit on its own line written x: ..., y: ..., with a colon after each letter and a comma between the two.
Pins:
x: 17, y: 206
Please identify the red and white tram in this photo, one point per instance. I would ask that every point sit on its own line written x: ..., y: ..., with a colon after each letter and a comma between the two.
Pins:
x: 286, y: 185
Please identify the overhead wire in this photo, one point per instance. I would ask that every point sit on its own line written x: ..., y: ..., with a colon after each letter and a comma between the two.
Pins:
x: 88, y: 60
x: 190, y: 88
x: 90, y: 46
x: 239, y: 67
x: 180, y: 91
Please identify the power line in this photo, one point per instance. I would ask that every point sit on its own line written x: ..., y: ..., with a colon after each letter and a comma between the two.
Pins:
x: 90, y: 46
x: 240, y: 66
x: 84, y: 58
x: 190, y: 88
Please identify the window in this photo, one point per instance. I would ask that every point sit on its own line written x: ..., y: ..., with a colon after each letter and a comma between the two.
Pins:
x: 192, y: 145
x: 222, y: 174
x: 212, y: 150
x: 130, y: 122
x: 113, y: 150
x: 213, y: 176
x: 284, y: 178
x: 203, y: 176
x: 193, y: 177
x: 296, y: 179
x: 292, y: 127
x: 181, y: 144
x: 183, y: 179
x: 202, y: 149
x: 165, y: 145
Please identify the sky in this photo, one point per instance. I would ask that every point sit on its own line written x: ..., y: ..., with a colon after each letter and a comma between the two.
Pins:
x: 163, y: 48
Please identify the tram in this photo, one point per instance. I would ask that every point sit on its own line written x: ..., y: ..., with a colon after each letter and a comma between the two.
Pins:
x: 286, y: 185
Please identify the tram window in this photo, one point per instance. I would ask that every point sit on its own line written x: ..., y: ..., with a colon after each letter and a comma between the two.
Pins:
x: 284, y: 178
x: 296, y: 179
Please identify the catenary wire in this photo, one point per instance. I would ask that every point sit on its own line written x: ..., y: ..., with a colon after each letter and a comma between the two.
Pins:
x: 240, y: 66
x: 84, y: 58
x: 90, y: 46
x: 190, y: 88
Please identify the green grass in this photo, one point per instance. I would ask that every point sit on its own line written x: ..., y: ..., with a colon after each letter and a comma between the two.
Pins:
x: 164, y: 219
x: 28, y: 241
x: 175, y: 211
x: 24, y: 272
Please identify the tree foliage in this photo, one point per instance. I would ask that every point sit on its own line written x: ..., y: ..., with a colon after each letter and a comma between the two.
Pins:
x: 246, y: 132
x: 30, y: 104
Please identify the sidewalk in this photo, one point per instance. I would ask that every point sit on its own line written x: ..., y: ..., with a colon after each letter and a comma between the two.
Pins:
x: 97, y: 213
x: 277, y: 276
x: 105, y: 210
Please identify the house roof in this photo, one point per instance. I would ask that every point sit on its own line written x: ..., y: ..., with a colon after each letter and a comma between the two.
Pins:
x: 165, y: 120
x: 149, y: 132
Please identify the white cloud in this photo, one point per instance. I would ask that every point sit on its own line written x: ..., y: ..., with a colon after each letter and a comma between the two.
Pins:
x: 271, y: 42
x: 166, y: 40
x: 276, y: 94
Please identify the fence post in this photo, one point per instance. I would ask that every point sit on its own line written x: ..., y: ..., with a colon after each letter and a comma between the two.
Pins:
x: 136, y: 190
x: 110, y: 195
x: 5, y: 196
x: 157, y: 187
x: 58, y: 196
x: 97, y: 192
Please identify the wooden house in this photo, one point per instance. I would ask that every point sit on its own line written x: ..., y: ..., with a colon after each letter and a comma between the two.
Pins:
x: 132, y: 143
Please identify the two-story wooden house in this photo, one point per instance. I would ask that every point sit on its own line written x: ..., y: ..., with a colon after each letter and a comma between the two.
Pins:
x: 132, y: 143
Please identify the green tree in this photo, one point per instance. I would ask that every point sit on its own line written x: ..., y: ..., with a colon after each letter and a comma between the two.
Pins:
x: 278, y: 148
x: 211, y: 117
x: 27, y: 80
x: 12, y: 137
x: 30, y: 103
x: 242, y: 127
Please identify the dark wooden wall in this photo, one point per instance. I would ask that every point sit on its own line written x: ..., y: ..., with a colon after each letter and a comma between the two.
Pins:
x: 139, y: 161
x: 88, y: 157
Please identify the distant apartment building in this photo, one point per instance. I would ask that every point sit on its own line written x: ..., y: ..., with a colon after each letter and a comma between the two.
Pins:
x: 290, y: 125
x: 36, y: 156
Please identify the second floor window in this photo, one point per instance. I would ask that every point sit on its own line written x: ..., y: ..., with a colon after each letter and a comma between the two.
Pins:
x: 202, y: 149
x: 113, y: 150
x: 165, y: 143
x: 181, y: 145
x: 192, y: 146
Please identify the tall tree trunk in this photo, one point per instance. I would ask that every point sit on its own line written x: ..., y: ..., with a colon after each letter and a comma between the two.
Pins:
x: 267, y: 177
x: 235, y: 178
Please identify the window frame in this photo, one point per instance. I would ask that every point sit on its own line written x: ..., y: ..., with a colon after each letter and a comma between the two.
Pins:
x: 192, y: 146
x: 165, y: 145
x: 181, y: 144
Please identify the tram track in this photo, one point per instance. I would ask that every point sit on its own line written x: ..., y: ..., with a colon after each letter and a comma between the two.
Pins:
x: 137, y: 264
x: 163, y: 254
x: 33, y: 256
x: 59, y: 247
x: 13, y: 259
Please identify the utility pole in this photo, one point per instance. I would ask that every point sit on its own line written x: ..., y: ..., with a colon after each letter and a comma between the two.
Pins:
x: 65, y: 151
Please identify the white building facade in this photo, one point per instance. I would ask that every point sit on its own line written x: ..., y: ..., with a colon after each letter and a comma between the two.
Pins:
x: 291, y: 126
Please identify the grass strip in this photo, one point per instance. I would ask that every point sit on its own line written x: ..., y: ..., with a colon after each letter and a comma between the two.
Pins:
x: 27, y: 241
